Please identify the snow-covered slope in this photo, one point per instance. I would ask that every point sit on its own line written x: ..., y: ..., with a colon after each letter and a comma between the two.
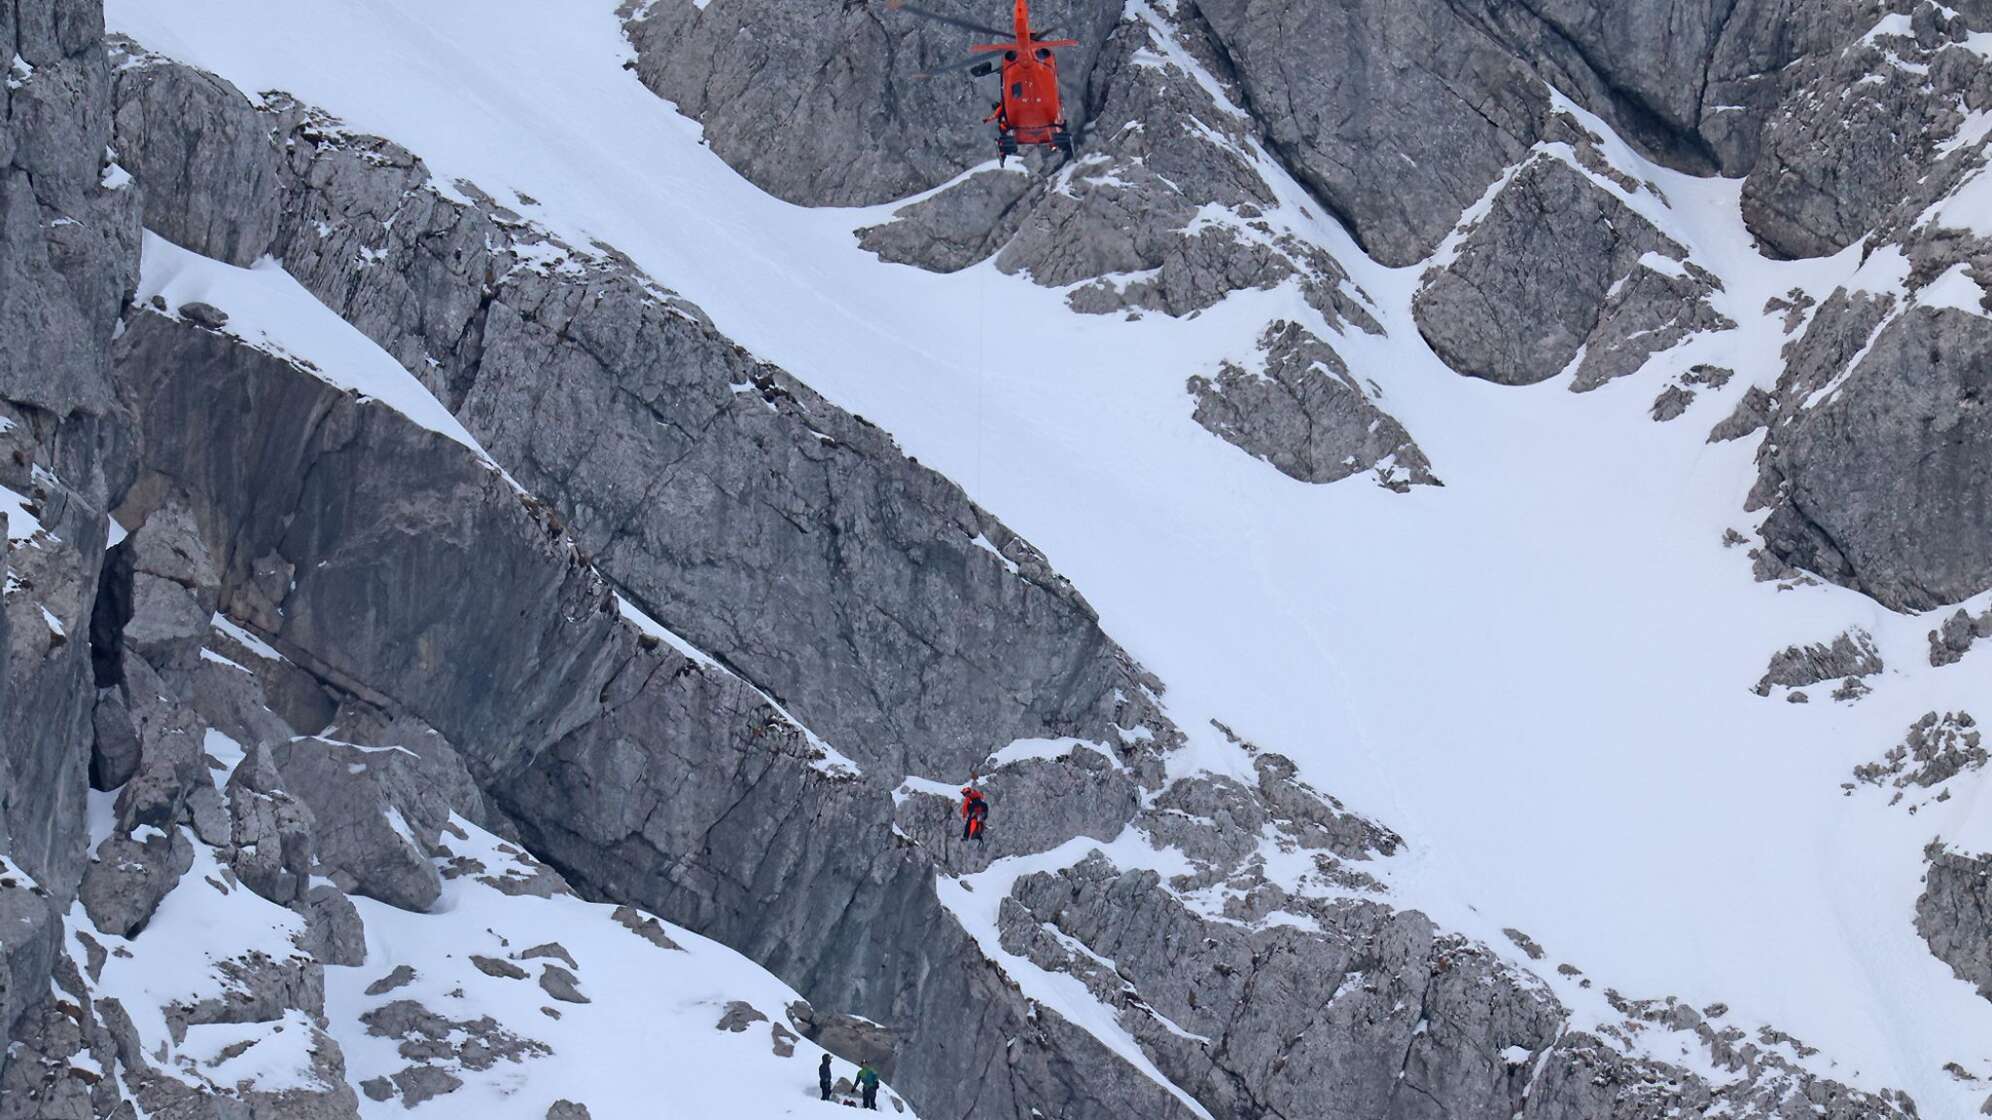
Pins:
x: 1540, y: 674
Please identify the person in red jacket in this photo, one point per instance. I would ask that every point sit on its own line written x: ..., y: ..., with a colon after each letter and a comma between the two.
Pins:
x: 974, y: 811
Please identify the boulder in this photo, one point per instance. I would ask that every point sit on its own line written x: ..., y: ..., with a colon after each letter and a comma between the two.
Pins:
x: 1305, y: 414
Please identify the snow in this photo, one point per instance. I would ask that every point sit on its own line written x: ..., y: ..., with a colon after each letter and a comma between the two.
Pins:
x: 1022, y: 749
x: 981, y: 541
x: 648, y: 625
x: 1956, y: 290
x: 199, y: 925
x: 20, y: 523
x: 1538, y: 674
x: 278, y: 1057
x: 268, y: 309
x: 210, y: 655
x: 244, y: 638
x: 647, y: 1036
x: 1970, y: 207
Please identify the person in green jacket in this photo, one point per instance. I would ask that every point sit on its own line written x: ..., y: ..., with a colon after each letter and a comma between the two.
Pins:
x: 868, y: 1082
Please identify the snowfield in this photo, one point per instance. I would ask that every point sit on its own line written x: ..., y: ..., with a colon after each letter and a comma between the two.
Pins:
x: 1540, y: 674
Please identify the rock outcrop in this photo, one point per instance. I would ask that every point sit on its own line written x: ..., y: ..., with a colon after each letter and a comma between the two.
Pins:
x: 1621, y: 290
x: 1304, y: 413
x: 1959, y: 632
x: 1936, y: 749
x: 1879, y: 432
x: 1954, y: 914
x: 68, y: 239
x: 1848, y: 657
x: 1171, y: 207
x: 1857, y: 126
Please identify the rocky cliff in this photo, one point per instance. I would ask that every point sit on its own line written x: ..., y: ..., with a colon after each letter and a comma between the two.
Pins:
x: 391, y: 579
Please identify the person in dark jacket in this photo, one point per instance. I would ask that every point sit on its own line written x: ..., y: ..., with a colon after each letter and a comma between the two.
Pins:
x: 823, y: 1076
x: 868, y: 1085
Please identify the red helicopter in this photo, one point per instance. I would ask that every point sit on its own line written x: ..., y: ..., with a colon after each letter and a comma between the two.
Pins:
x: 1029, y: 111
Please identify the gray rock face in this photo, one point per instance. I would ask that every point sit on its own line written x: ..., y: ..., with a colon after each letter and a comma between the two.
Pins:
x: 1954, y: 914
x: 1951, y: 641
x: 957, y: 227
x: 1866, y: 496
x: 1749, y: 417
x: 1936, y: 749
x: 1135, y: 223
x: 823, y: 104
x: 271, y: 830
x: 649, y: 778
x: 1859, y: 125
x: 375, y: 816
x: 1333, y: 84
x: 1306, y: 415
x: 1380, y: 974
x: 1622, y: 290
x: 1170, y: 209
x: 1336, y: 84
x: 1035, y: 805
x: 67, y: 263
x: 205, y: 158
x: 1849, y: 655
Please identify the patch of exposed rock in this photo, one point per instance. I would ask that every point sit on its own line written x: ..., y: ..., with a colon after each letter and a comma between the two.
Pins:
x: 1858, y: 125
x: 1954, y: 913
x: 1952, y: 640
x: 1304, y: 413
x: 1848, y: 657
x: 1879, y: 430
x: 1674, y: 400
x: 1936, y: 749
x: 1562, y: 276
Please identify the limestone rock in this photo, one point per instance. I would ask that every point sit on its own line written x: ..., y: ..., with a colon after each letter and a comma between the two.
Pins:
x: 1951, y: 641
x: 561, y: 984
x: 373, y: 819
x: 1954, y: 913
x: 1851, y: 654
x: 1860, y: 124
x: 1305, y: 414
x: 334, y: 933
x: 1865, y: 497
x: 1334, y: 84
x: 205, y: 156
x: 1750, y: 416
x: 272, y: 836
x: 1937, y: 748
x: 1559, y: 268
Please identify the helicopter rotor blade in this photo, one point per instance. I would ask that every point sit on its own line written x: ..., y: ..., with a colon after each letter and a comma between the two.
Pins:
x: 964, y: 64
x: 953, y: 21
